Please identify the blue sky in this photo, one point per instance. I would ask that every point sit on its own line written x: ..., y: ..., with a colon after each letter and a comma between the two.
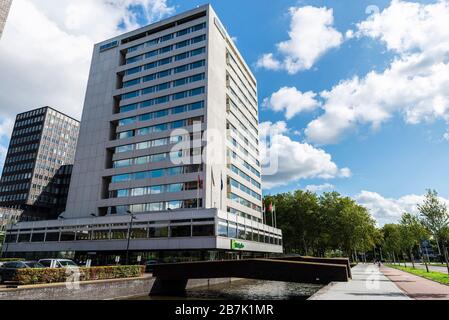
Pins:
x: 386, y: 124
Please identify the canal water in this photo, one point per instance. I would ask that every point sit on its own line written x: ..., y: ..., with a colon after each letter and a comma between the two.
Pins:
x: 247, y: 290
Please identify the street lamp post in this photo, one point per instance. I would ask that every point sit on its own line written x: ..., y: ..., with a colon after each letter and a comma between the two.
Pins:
x: 130, y: 226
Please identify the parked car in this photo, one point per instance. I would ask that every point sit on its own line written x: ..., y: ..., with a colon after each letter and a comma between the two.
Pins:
x: 8, y: 269
x: 150, y: 264
x: 57, y: 263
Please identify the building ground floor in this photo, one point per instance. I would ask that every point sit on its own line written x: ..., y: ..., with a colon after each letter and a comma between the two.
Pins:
x: 172, y: 236
x: 105, y: 258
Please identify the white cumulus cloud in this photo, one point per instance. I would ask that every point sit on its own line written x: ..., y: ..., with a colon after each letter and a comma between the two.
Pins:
x: 389, y: 210
x: 311, y: 35
x: 291, y: 101
x: 293, y: 160
x: 415, y: 85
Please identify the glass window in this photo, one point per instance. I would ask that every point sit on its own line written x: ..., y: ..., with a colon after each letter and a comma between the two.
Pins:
x: 222, y: 229
x: 173, y: 205
x: 203, y: 231
x: 122, y: 193
x: 100, y: 235
x: 182, y: 68
x: 132, y: 71
x: 232, y: 230
x: 183, y: 32
x: 138, y: 192
x: 139, y: 233
x: 67, y: 235
x: 51, y: 236
x: 37, y: 237
x: 180, y: 231
x: 151, y: 54
x: 131, y: 83
x: 156, y: 206
x: 119, y: 234
x: 158, y: 232
x: 177, y: 187
x: 129, y: 107
x: 154, y: 189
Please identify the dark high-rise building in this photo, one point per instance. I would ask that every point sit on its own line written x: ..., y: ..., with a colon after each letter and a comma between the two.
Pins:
x: 37, y: 168
x: 4, y: 10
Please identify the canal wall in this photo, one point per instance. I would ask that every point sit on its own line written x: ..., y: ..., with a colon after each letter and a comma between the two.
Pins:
x: 96, y: 290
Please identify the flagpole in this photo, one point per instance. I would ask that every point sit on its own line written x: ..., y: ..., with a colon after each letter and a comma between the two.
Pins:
x: 275, y: 218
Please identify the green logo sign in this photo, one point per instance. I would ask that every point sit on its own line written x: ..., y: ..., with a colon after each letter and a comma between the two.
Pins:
x: 235, y: 245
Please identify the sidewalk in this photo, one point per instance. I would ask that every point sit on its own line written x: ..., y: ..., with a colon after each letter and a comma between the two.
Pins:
x: 417, y: 287
x: 367, y: 283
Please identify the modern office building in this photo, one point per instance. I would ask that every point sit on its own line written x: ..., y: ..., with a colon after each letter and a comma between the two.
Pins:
x: 36, y: 173
x: 169, y: 135
x: 5, y: 5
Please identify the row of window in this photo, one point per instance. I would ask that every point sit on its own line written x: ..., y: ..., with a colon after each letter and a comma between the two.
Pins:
x: 31, y: 113
x: 240, y: 160
x: 15, y: 177
x: 166, y: 49
x: 244, y: 188
x: 162, y: 113
x: 24, y: 148
x: 238, y: 114
x: 159, y: 127
x: 234, y: 94
x: 241, y: 148
x: 25, y: 139
x: 21, y: 157
x: 172, y: 231
x: 242, y: 137
x: 157, y: 173
x: 244, y: 215
x: 26, y: 130
x: 244, y: 175
x: 241, y: 84
x: 163, y: 99
x: 28, y: 121
x: 151, y: 190
x: 244, y: 202
x: 167, y: 37
x: 172, y: 156
x: 165, y: 61
x: 151, y: 143
x: 163, y: 86
x: 231, y: 58
x: 14, y: 197
x: 240, y: 231
x: 18, y: 167
x: 159, y: 206
x: 165, y: 73
x: 15, y: 187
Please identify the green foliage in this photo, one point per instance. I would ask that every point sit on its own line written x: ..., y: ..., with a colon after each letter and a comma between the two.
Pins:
x: 55, y: 275
x: 431, y: 275
x: 323, y: 225
x: 434, y: 215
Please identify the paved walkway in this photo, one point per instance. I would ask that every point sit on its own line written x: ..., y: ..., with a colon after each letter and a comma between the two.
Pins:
x: 367, y: 283
x: 417, y: 287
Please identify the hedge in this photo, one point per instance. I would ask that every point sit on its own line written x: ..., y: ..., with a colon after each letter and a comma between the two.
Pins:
x: 54, y: 275
x: 11, y: 259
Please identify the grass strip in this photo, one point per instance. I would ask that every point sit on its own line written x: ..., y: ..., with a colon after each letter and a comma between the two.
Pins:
x: 431, y: 275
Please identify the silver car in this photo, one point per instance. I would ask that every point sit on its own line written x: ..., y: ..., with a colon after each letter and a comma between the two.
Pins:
x: 57, y: 263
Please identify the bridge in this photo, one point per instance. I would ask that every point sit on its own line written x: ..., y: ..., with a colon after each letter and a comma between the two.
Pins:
x: 173, y: 277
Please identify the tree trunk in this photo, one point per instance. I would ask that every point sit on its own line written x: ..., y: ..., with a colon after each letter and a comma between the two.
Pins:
x: 422, y: 257
x: 411, y: 257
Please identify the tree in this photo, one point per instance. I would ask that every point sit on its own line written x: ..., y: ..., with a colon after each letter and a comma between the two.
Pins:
x: 434, y: 216
x: 391, y: 239
x: 412, y: 234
